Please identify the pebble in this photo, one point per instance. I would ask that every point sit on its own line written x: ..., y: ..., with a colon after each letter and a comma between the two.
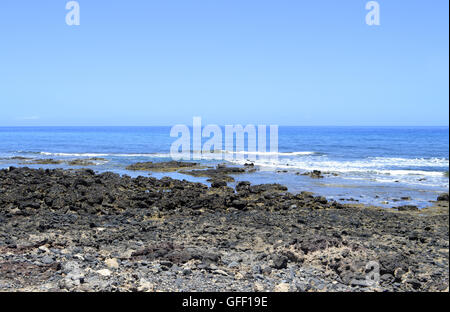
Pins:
x: 233, y: 265
x: 47, y: 260
x: 282, y: 287
x: 104, y: 272
x: 258, y: 287
x: 112, y: 263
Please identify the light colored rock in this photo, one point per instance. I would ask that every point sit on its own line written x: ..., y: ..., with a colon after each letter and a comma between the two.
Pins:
x: 221, y: 272
x: 73, y: 277
x: 233, y: 265
x: 105, y: 254
x: 258, y: 287
x: 239, y: 276
x: 283, y: 287
x: 44, y: 248
x: 145, y: 286
x: 112, y: 263
x: 104, y: 272
x: 71, y: 266
x: 126, y: 254
x: 15, y: 211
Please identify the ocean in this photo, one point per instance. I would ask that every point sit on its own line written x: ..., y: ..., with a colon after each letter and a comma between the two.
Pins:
x: 384, y: 166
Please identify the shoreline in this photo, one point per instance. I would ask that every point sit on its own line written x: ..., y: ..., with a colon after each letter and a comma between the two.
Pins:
x: 334, y: 185
x: 75, y: 230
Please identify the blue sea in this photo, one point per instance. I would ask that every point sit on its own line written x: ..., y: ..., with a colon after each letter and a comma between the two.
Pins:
x: 370, y: 165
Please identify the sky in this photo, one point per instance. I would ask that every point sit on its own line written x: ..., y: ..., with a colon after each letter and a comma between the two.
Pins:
x: 285, y: 62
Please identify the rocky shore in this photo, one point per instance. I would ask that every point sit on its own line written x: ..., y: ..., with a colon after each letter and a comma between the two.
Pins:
x: 75, y: 230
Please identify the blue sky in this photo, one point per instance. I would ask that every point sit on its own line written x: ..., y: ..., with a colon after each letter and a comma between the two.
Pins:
x: 286, y: 62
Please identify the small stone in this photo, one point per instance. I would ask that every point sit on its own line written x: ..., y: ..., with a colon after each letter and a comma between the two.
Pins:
x: 283, y: 287
x: 302, y: 287
x: 145, y: 286
x: 187, y: 271
x: 44, y: 249
x: 414, y: 283
x: 258, y: 287
x: 203, y: 266
x: 233, y: 265
x: 104, y: 272
x: 389, y: 278
x: 112, y: 263
x: 398, y: 273
x: 221, y: 272
x: 257, y: 269
x: 165, y: 263
x: 267, y: 270
x: 280, y: 262
x: 47, y: 260
x: 71, y: 266
x: 15, y: 211
x: 239, y: 276
x: 126, y: 254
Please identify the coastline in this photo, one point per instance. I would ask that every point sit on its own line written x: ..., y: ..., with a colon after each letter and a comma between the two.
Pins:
x: 75, y: 230
x: 372, y: 166
x: 334, y: 185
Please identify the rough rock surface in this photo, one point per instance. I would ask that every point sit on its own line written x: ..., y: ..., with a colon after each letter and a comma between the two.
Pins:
x: 166, y: 166
x: 220, y: 173
x: 49, y: 161
x: 74, y: 230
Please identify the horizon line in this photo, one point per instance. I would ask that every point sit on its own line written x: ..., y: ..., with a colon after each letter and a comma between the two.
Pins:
x: 221, y: 125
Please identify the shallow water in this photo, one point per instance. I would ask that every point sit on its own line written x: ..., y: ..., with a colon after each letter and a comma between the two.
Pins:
x: 374, y: 165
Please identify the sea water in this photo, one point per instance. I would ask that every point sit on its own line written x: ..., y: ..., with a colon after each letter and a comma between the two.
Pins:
x: 370, y: 165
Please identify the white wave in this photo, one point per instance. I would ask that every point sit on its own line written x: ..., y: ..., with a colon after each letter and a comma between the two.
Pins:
x: 409, y: 173
x: 271, y: 153
x: 97, y: 155
x: 359, y: 170
x: 429, y: 181
x: 365, y: 167
x: 216, y: 155
x: 410, y: 162
x: 380, y: 165
x: 73, y: 154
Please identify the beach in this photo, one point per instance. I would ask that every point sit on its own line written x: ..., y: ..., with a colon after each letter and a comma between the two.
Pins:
x: 77, y: 230
x: 337, y: 209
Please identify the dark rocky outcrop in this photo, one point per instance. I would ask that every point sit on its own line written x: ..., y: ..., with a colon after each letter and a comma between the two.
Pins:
x: 407, y: 208
x: 46, y: 162
x: 75, y: 230
x: 443, y: 197
x: 315, y: 174
x: 167, y: 166
x: 221, y: 172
